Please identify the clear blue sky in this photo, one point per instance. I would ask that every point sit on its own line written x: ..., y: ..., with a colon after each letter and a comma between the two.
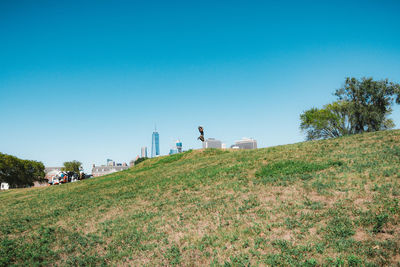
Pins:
x: 87, y: 81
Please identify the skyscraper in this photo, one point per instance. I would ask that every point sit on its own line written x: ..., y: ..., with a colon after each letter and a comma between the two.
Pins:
x: 144, y: 152
x: 155, y: 144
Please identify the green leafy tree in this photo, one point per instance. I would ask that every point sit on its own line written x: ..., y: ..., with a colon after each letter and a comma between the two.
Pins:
x: 333, y: 120
x: 19, y: 173
x: 72, y: 166
x: 362, y: 106
x: 370, y: 102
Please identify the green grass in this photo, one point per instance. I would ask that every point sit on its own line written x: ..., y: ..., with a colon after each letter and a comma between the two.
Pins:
x: 321, y: 203
x: 281, y: 172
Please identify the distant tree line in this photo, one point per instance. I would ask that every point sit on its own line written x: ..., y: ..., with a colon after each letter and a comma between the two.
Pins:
x: 20, y: 173
x: 362, y: 106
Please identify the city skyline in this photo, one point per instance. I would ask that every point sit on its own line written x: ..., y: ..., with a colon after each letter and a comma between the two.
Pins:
x: 87, y: 80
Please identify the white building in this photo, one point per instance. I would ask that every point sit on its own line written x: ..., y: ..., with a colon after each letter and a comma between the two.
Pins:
x: 245, y: 143
x: 212, y: 143
x: 144, y: 152
x: 4, y: 186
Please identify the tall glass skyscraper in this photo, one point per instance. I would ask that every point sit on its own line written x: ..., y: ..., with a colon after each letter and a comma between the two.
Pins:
x: 155, y: 144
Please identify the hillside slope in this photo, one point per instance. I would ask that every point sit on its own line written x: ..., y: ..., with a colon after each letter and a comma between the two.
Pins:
x: 314, y: 203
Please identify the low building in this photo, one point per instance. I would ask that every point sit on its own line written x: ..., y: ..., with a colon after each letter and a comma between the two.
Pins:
x: 173, y: 151
x: 177, y: 149
x: 103, y: 170
x: 245, y: 143
x: 212, y: 143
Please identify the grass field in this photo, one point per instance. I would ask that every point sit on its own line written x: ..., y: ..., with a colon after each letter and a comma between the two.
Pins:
x: 323, y: 203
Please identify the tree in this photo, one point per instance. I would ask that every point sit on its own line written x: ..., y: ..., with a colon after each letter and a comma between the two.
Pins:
x: 72, y: 166
x: 370, y: 102
x: 18, y: 173
x: 333, y: 120
x: 362, y: 105
x: 140, y: 160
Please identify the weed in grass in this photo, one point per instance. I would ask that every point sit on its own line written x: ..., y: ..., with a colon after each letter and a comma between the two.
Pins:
x: 248, y: 204
x: 320, y: 247
x: 313, y: 205
x: 292, y: 223
x: 310, y: 263
x: 391, y: 205
x: 380, y: 221
x: 173, y: 255
x: 290, y: 254
x: 239, y: 260
x: 339, y: 227
x: 209, y: 241
x: 337, y: 262
x: 322, y: 186
x: 260, y: 242
x: 353, y: 260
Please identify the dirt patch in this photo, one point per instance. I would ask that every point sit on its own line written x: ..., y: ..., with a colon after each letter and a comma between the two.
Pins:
x: 383, y: 236
x: 360, y: 235
x: 91, y: 225
x: 312, y: 231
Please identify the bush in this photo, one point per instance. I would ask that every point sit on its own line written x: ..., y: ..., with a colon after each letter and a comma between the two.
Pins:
x: 140, y: 160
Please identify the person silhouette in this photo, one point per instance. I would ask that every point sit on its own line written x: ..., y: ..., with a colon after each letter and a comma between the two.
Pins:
x: 201, y: 137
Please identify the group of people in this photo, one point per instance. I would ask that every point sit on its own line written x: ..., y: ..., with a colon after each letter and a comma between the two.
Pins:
x: 66, y: 177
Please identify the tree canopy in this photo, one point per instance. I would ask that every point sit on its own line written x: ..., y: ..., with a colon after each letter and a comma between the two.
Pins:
x: 72, y: 166
x: 362, y: 106
x: 19, y: 173
x: 333, y: 120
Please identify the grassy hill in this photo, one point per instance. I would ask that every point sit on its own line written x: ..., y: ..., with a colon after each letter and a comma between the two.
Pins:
x: 332, y: 202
